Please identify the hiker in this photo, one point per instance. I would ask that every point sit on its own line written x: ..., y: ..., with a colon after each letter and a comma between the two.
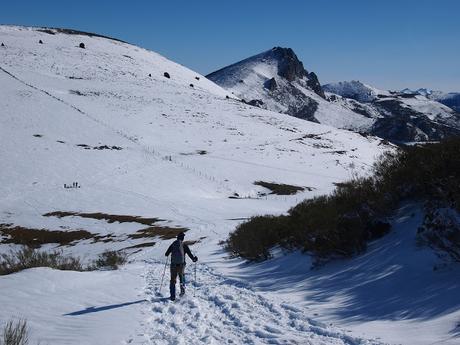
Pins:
x: 178, y: 249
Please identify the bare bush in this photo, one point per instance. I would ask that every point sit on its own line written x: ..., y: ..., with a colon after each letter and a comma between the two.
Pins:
x: 15, y: 333
x: 27, y: 257
x: 111, y: 259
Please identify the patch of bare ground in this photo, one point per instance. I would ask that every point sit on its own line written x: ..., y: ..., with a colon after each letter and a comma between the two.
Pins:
x: 109, y: 218
x: 281, y: 188
x: 142, y: 245
x: 35, y: 238
x: 163, y: 232
x: 192, y: 242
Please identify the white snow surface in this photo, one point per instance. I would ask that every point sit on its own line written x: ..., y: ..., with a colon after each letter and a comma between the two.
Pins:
x: 184, y: 151
x: 431, y: 108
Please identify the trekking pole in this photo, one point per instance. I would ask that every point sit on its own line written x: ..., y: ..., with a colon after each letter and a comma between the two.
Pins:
x: 194, y: 281
x: 162, y: 277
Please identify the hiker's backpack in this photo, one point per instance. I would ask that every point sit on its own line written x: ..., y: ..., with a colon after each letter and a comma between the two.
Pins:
x: 177, y: 253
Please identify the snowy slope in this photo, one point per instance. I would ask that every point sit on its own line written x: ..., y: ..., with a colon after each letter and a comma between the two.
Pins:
x: 355, y: 90
x: 149, y: 146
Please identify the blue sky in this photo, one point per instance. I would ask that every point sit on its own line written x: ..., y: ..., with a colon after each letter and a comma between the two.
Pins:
x: 390, y: 44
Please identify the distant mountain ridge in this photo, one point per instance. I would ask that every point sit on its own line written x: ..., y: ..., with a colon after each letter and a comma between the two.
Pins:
x: 403, y: 115
x: 450, y: 99
x: 277, y: 80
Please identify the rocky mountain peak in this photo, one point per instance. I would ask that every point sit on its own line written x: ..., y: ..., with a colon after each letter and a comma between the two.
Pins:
x: 289, y: 66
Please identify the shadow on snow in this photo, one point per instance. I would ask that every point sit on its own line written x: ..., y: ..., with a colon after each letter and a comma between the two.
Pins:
x: 103, y: 308
x: 393, y: 280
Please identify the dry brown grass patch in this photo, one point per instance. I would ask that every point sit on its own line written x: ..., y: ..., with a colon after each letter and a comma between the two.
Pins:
x: 37, y: 237
x: 163, y: 232
x: 192, y: 242
x: 109, y: 218
x: 280, y: 188
x: 142, y: 245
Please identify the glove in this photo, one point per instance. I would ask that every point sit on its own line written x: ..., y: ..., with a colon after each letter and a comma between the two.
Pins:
x: 195, y: 259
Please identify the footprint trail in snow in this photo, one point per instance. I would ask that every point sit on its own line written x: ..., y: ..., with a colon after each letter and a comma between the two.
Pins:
x: 217, y: 310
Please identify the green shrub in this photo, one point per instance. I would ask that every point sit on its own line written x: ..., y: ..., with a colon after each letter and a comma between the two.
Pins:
x: 253, y: 239
x: 342, y: 223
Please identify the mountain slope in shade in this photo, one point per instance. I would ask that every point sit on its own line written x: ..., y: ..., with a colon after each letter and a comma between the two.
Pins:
x: 276, y: 80
x: 451, y: 99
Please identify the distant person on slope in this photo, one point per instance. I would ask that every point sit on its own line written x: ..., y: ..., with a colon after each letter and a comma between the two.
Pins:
x: 178, y: 249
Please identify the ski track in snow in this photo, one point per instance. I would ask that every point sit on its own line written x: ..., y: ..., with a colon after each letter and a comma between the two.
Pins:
x: 217, y: 310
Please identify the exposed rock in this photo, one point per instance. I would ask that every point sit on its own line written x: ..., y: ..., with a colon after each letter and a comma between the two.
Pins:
x: 313, y: 83
x: 82, y: 45
x: 306, y: 111
x: 40, y: 42
x: 270, y: 84
x: 289, y: 66
x: 256, y: 103
x: 166, y: 75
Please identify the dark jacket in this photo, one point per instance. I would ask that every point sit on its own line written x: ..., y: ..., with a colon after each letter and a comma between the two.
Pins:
x: 186, y: 250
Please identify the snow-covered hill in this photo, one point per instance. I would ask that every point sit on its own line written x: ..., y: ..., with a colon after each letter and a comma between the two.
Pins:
x: 152, y: 146
x: 355, y: 90
x: 450, y: 99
